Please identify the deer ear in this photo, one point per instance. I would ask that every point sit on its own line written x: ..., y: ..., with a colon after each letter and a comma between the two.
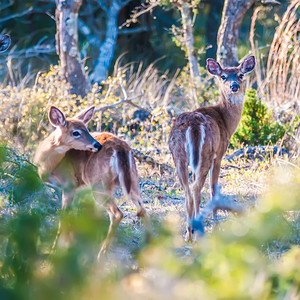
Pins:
x: 86, y: 115
x: 213, y: 67
x: 4, y: 42
x: 247, y: 65
x: 56, y: 117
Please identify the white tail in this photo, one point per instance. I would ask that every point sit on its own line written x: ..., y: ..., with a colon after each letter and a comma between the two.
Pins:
x: 71, y: 157
x: 199, y: 139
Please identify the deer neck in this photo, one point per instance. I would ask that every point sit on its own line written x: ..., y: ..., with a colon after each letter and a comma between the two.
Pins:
x: 231, y: 109
x: 49, y: 154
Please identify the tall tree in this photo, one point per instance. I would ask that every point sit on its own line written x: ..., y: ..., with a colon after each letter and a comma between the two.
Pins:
x: 232, y: 17
x: 112, y: 9
x: 67, y: 45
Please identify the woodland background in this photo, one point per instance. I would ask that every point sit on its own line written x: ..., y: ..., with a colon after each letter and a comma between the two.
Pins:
x: 141, y: 64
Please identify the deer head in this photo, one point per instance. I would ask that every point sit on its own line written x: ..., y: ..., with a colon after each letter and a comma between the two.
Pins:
x: 72, y: 133
x: 230, y: 78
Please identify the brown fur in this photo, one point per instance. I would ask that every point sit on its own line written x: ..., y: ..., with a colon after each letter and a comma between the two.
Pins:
x: 101, y: 170
x: 207, y: 129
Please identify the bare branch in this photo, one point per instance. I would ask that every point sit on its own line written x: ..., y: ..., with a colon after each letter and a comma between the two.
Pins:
x: 32, y: 52
x: 17, y: 15
x: 138, y: 11
x: 219, y: 202
x: 270, y: 2
x: 103, y: 5
x: 133, y: 30
x: 4, y: 6
x: 128, y: 100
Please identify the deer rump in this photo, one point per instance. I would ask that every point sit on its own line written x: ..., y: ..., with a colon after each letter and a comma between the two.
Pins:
x: 192, y: 138
x: 113, y: 164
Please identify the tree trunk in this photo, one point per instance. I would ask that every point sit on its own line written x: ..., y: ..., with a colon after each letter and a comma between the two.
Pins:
x: 233, y: 14
x: 187, y: 25
x: 107, y: 48
x: 67, y: 45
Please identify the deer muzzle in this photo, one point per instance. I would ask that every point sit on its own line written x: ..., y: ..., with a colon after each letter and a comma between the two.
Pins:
x: 95, y: 147
x: 234, y: 87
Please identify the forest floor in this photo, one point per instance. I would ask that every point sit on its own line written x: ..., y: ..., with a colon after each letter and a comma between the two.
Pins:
x: 242, y: 180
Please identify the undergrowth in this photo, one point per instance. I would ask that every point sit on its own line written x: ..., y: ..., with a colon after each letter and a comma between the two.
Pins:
x: 238, y: 259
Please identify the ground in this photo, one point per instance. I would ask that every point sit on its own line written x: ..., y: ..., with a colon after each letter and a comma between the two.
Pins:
x: 242, y: 180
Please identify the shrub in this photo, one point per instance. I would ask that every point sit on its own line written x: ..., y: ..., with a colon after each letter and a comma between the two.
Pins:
x: 257, y: 126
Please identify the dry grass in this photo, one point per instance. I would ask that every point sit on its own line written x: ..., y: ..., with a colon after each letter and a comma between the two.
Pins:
x: 283, y: 66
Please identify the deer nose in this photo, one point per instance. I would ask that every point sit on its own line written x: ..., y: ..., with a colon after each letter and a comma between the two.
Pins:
x: 97, y: 145
x: 234, y: 87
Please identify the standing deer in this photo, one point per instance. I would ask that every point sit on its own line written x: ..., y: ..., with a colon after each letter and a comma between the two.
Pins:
x: 71, y: 157
x: 4, y: 42
x: 199, y: 139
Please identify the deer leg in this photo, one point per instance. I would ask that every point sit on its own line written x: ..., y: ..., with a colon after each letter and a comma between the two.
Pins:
x: 115, y: 216
x: 214, y: 176
x: 67, y: 199
x: 141, y: 212
x: 183, y: 175
x: 197, y: 187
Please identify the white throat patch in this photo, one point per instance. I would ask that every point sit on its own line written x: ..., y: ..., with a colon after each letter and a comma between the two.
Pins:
x: 62, y: 149
x: 236, y: 99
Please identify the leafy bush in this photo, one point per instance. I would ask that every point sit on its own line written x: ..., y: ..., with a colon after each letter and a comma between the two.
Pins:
x: 257, y: 126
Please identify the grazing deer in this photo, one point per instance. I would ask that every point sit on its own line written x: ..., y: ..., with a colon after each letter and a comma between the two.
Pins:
x: 71, y: 157
x: 4, y: 42
x: 199, y: 139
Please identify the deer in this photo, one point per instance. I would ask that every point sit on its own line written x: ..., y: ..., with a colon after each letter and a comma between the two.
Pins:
x: 199, y: 139
x: 4, y: 42
x: 71, y: 157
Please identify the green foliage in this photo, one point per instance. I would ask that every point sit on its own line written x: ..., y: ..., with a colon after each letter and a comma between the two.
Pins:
x: 257, y: 126
x: 19, y: 178
x: 238, y: 260
x: 29, y: 269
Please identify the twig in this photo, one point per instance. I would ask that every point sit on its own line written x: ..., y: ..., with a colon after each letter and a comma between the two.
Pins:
x: 138, y: 12
x: 270, y: 2
x: 17, y: 15
x: 219, y: 202
x: 128, y: 100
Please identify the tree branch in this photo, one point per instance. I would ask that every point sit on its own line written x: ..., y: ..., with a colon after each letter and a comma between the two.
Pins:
x: 17, y: 15
x: 219, y: 202
x: 102, y: 4
x: 138, y: 11
x: 128, y: 100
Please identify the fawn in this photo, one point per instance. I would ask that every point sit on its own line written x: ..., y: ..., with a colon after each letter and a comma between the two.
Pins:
x: 4, y: 42
x: 199, y: 139
x: 71, y: 156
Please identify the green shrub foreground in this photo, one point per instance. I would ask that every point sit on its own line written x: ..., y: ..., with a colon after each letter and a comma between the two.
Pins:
x: 253, y: 256
x: 257, y: 127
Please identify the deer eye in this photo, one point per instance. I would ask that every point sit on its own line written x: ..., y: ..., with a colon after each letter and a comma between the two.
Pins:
x: 76, y: 134
x: 223, y: 77
x: 241, y: 76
